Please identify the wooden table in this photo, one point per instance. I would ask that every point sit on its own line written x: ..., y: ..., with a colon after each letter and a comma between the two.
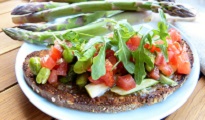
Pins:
x: 15, y: 105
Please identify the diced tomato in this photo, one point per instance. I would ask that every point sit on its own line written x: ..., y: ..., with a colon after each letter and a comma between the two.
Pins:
x: 166, y: 69
x: 109, y: 53
x: 172, y: 58
x: 95, y: 81
x: 121, y: 69
x: 111, y: 57
x: 126, y: 82
x: 152, y: 48
x: 108, y: 78
x: 55, y: 53
x: 183, y: 63
x: 184, y: 68
x: 175, y: 35
x: 173, y: 66
x: 173, y: 48
x: 62, y: 69
x: 47, y: 62
x: 178, y: 46
x: 113, y: 60
x: 108, y: 65
x: 154, y: 73
x: 133, y: 42
x: 160, y: 60
x: 58, y: 46
x: 53, y: 78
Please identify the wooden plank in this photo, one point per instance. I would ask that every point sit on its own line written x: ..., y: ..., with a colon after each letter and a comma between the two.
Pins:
x: 10, y: 4
x: 15, y: 105
x: 6, y: 21
x: 194, y: 108
x: 7, y: 72
x: 8, y: 44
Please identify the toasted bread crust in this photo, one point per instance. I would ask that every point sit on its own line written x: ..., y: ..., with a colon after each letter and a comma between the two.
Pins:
x: 71, y: 96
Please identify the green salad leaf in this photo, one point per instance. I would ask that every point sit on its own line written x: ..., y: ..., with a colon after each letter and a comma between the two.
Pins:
x: 141, y: 57
x: 162, y: 32
x: 124, y: 54
x: 88, y: 54
x: 122, y: 32
x: 98, y: 66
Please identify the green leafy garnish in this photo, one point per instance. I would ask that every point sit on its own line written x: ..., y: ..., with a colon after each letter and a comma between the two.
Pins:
x: 141, y: 57
x: 124, y: 54
x: 162, y: 32
x: 98, y: 66
x: 88, y: 54
x: 92, y: 42
x: 122, y: 32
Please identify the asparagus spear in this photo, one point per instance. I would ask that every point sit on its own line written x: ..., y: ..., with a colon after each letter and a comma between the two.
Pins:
x: 46, y: 38
x: 35, y: 7
x: 96, y: 28
x: 84, y: 7
x: 38, y: 5
x: 68, y: 1
x: 68, y: 22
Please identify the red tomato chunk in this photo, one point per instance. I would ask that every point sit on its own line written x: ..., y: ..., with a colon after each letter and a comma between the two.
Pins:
x: 53, y: 78
x: 126, y: 82
x: 108, y: 78
x: 55, y: 53
x: 47, y: 62
x: 175, y: 35
x: 62, y: 69
x: 154, y: 73
x: 133, y: 42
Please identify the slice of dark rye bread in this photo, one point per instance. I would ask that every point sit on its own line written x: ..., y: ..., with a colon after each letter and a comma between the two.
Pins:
x: 70, y: 96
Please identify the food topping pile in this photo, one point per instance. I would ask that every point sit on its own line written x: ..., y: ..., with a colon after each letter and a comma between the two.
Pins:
x: 124, y: 61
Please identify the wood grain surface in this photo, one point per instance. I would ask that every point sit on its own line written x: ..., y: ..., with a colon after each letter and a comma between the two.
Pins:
x: 194, y: 108
x: 13, y: 103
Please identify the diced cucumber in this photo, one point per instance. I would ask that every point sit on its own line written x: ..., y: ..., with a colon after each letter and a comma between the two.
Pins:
x: 145, y: 83
x: 165, y: 80
x: 96, y: 90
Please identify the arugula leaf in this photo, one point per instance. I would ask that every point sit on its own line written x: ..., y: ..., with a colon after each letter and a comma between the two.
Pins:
x: 125, y: 29
x: 163, y: 33
x: 88, y: 54
x: 139, y: 71
x: 124, y: 54
x: 93, y: 41
x: 98, y: 66
x: 71, y: 36
x: 141, y: 56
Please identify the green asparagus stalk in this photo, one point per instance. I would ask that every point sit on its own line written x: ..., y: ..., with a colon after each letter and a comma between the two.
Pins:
x: 46, y: 38
x: 84, y: 7
x: 68, y: 22
x: 96, y: 28
x: 35, y: 7
x: 68, y: 1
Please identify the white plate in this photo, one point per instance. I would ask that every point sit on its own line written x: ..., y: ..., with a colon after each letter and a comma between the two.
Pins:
x: 153, y: 112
